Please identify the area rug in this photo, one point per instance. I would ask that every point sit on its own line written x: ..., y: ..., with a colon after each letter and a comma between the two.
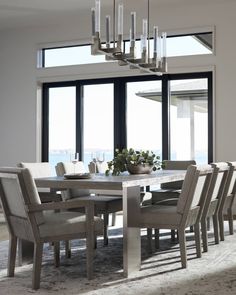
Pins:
x: 160, y: 274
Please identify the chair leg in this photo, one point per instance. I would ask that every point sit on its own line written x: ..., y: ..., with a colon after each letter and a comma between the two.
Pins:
x: 38, y: 252
x: 198, y: 239
x: 172, y: 235
x: 90, y: 253
x: 57, y: 254
x: 157, y: 238
x: 113, y: 219
x: 67, y: 249
x: 231, y: 221
x: 12, y: 256
x: 216, y: 228
x: 208, y: 223
x: 221, y: 226
x: 182, y: 244
x: 105, y: 229
x: 149, y: 239
x: 204, y: 235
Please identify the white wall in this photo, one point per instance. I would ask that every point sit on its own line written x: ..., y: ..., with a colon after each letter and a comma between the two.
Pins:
x: 19, y: 76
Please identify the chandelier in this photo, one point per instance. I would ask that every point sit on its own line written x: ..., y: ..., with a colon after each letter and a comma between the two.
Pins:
x: 151, y: 62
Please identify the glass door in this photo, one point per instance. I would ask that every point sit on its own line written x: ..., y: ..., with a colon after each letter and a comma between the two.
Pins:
x: 144, y: 116
x: 61, y: 123
x: 189, y: 119
x: 98, y: 122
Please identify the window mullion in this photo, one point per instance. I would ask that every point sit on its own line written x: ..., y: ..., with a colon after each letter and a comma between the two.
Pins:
x: 165, y: 118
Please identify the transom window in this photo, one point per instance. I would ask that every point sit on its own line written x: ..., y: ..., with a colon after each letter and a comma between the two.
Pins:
x: 183, y: 45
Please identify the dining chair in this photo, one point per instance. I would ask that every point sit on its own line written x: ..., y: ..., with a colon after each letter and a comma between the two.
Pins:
x: 42, y: 169
x: 213, y: 201
x: 227, y: 203
x: 170, y: 190
x: 29, y: 219
x: 104, y: 204
x: 101, y: 167
x: 98, y: 167
x: 186, y: 212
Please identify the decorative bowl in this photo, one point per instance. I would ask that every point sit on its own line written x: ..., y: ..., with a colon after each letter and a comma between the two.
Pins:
x: 139, y: 169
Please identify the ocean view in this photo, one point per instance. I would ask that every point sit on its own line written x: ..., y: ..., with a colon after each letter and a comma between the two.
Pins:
x: 64, y: 156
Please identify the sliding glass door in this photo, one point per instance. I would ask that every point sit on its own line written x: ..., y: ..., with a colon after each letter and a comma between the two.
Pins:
x: 61, y: 123
x: 98, y: 122
x: 170, y: 115
x: 189, y: 120
x: 144, y: 115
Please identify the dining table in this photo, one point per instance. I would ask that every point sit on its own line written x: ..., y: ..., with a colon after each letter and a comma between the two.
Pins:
x: 130, y: 187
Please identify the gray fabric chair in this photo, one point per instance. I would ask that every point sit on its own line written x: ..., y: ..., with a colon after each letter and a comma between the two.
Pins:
x: 104, y: 204
x: 227, y: 203
x: 172, y: 188
x: 27, y: 219
x: 187, y: 212
x: 213, y: 201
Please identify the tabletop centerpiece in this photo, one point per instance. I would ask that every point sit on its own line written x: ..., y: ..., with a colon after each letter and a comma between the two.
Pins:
x: 135, y: 162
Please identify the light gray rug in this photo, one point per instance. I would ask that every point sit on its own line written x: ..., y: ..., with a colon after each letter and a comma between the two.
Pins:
x: 161, y: 273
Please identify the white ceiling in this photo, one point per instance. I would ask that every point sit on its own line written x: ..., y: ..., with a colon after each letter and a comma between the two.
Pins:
x: 28, y: 13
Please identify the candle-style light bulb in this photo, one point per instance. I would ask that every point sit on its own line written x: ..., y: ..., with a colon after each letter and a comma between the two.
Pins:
x: 159, y: 48
x: 145, y: 26
x: 97, y: 15
x: 164, y: 44
x: 108, y: 29
x: 133, y: 26
x: 120, y: 19
x: 155, y: 37
x: 93, y: 21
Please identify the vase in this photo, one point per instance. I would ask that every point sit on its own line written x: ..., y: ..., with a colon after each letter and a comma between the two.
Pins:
x: 139, y: 169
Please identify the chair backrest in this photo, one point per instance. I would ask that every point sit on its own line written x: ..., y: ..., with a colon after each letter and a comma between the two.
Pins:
x: 98, y: 167
x: 230, y: 188
x: 175, y: 165
x: 38, y: 169
x: 195, y: 188
x: 67, y: 168
x: 17, y: 189
x: 220, y: 174
x: 216, y: 189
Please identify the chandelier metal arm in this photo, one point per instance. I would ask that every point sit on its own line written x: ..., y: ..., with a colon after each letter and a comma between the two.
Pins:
x: 156, y: 64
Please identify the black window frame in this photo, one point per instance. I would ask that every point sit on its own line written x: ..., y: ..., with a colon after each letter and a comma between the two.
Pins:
x: 120, y: 109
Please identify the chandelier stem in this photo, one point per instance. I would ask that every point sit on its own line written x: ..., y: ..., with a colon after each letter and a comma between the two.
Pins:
x: 148, y: 28
x: 114, y: 23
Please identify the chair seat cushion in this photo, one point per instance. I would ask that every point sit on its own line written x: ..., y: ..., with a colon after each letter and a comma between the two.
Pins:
x: 163, y: 194
x: 161, y: 215
x: 61, y: 223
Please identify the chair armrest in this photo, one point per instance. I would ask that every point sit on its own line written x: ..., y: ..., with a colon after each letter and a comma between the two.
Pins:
x: 162, y: 202
x: 70, y: 204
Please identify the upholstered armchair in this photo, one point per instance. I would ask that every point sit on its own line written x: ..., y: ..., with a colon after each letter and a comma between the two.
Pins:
x: 187, y: 211
x: 228, y: 201
x: 104, y: 204
x: 27, y: 218
x: 213, y: 202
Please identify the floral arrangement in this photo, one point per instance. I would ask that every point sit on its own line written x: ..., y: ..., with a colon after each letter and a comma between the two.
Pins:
x: 126, y: 158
